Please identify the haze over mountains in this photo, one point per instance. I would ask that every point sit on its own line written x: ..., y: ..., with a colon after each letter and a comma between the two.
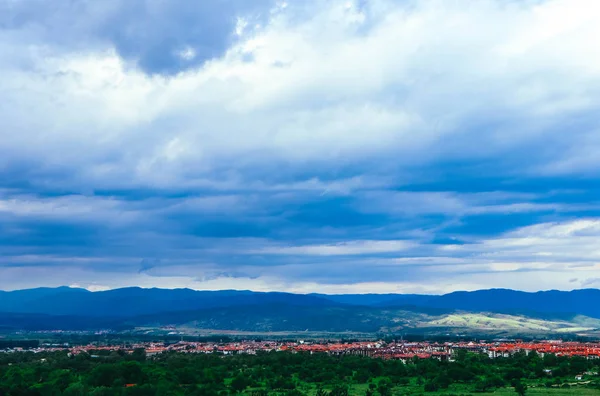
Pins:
x: 497, y: 309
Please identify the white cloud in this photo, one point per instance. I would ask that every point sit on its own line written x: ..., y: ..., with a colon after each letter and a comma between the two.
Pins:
x: 570, y: 243
x: 332, y: 97
x: 68, y: 207
x: 340, y: 249
x: 413, y: 81
x: 187, y: 53
x: 454, y: 204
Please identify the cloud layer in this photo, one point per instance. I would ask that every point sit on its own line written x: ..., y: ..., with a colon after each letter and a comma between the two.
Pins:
x: 381, y: 145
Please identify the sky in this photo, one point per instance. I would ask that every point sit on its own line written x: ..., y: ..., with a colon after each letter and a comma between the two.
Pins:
x: 305, y: 146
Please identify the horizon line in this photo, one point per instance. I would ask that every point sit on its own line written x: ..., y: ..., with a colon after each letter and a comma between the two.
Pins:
x: 288, y: 292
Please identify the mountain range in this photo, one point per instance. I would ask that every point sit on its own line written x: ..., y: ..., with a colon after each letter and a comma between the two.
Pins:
x: 495, y: 310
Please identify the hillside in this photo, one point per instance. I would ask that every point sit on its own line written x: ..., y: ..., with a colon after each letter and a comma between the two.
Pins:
x: 487, y: 311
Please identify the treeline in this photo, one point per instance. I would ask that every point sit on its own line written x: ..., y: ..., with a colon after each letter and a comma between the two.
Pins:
x: 27, y: 344
x: 276, y: 373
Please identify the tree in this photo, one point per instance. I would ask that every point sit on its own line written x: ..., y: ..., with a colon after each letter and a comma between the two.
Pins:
x: 514, y: 374
x: 578, y: 365
x: 481, y: 386
x: 362, y: 376
x: 339, y: 391
x: 384, y: 387
x: 104, y: 375
x: 102, y: 391
x: 457, y: 372
x: 520, y: 387
x: 460, y: 355
x: 139, y: 354
x: 131, y: 372
x: 239, y: 383
x: 442, y: 381
x: 431, y: 386
x: 76, y: 389
x: 60, y: 379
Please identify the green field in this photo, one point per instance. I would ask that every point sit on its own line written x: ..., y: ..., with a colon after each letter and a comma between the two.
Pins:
x: 361, y: 389
x: 542, y: 391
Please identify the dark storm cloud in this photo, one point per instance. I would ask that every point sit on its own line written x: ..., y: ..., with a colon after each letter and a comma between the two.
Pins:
x: 164, y: 37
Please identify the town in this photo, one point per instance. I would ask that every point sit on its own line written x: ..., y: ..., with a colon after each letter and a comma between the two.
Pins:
x: 398, y: 350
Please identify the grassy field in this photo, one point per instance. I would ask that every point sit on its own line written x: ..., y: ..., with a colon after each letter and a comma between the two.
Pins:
x: 505, y: 391
x: 360, y: 390
x: 513, y: 323
x: 545, y: 391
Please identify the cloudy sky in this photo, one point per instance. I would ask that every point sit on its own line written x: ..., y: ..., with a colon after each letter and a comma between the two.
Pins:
x: 308, y: 145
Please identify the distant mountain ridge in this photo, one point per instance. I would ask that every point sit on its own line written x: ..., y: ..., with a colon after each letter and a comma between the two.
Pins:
x: 139, y: 301
x: 136, y: 301
x: 46, y: 308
